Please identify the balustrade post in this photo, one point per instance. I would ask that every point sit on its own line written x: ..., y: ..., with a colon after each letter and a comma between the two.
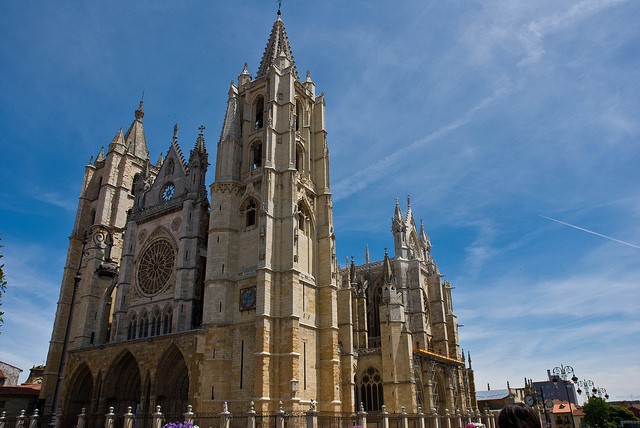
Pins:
x: 251, y: 416
x: 129, y: 418
x: 225, y: 416
x: 405, y: 417
x: 82, y: 418
x: 362, y: 416
x: 33, y: 420
x: 492, y: 420
x: 189, y: 416
x: 447, y: 418
x: 385, y: 417
x: 158, y: 418
x: 3, y: 419
x: 421, y: 423
x: 20, y: 419
x: 280, y: 416
x: 109, y: 419
x: 312, y: 415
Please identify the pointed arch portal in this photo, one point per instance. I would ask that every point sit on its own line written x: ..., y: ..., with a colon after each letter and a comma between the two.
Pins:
x: 122, y: 384
x: 172, y: 379
x: 81, y: 391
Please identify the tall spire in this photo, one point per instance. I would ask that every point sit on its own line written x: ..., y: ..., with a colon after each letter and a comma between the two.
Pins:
x: 277, y: 45
x: 135, y: 140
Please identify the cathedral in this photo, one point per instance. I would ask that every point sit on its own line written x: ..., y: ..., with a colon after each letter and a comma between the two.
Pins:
x: 177, y: 293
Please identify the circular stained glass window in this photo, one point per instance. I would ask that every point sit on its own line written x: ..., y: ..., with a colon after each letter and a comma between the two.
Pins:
x: 155, y: 267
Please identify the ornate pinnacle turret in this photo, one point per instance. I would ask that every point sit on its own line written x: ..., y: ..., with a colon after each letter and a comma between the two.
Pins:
x: 387, y: 272
x: 135, y: 140
x: 397, y: 223
x: 100, y: 156
x: 200, y: 148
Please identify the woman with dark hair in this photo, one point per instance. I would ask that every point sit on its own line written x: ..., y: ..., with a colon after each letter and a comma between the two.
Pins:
x: 518, y: 416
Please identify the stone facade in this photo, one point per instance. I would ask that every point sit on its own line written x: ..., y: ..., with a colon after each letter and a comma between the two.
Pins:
x: 169, y: 299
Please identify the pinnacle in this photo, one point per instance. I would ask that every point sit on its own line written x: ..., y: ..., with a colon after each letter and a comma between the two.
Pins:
x: 277, y: 45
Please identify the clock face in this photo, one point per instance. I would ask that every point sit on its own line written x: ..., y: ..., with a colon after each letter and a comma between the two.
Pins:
x: 168, y: 191
x: 529, y: 400
x: 248, y: 298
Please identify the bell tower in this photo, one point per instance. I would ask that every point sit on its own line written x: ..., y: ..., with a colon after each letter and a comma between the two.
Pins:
x: 270, y: 288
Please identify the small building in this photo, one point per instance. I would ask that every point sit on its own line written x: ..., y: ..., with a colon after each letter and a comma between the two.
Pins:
x: 14, y: 397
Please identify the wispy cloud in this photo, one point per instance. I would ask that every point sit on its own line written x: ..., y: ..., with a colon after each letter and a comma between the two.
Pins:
x: 379, y: 170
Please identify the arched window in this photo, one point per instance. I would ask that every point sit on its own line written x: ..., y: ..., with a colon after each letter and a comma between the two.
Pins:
x: 370, y: 387
x: 156, y: 322
x: 143, y: 327
x: 259, y: 112
x: 256, y: 155
x: 298, y: 115
x: 250, y: 214
x: 167, y: 320
x: 374, y: 299
x: 131, y: 331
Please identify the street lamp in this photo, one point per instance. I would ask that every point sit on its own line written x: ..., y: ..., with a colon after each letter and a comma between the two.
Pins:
x: 586, y: 384
x: 563, y: 373
x: 101, y: 239
x: 601, y: 392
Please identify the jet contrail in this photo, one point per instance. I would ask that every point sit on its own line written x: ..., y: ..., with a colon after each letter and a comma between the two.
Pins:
x: 590, y: 231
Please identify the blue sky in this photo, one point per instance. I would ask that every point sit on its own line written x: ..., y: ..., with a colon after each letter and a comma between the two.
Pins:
x: 496, y: 117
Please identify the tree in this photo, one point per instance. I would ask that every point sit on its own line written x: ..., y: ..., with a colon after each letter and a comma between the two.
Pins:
x: 3, y: 288
x: 619, y: 413
x: 596, y: 412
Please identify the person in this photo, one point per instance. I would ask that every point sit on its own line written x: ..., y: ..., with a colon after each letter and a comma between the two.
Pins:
x: 518, y: 416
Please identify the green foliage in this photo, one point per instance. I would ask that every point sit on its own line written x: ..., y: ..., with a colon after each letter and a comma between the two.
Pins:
x: 3, y: 288
x: 596, y: 412
x: 619, y: 413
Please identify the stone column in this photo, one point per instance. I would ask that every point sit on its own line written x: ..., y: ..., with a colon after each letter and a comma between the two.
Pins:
x: 362, y: 416
x: 251, y: 416
x: 385, y: 417
x: 33, y: 420
x: 225, y: 416
x: 189, y: 416
x: 82, y: 418
x: 312, y: 415
x: 405, y: 418
x: 109, y: 418
x: 3, y: 419
x: 279, y: 416
x: 129, y: 418
x: 158, y: 417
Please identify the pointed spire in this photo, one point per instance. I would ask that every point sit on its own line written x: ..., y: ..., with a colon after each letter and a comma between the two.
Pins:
x: 135, y: 141
x: 100, y: 156
x: 469, y: 359
x: 160, y: 161
x: 367, y: 258
x: 200, y: 148
x: 387, y: 272
x: 278, y: 43
x: 352, y: 271
x: 397, y: 223
x: 409, y: 217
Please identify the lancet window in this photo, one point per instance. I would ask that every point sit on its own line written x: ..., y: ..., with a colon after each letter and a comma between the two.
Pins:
x: 259, y: 112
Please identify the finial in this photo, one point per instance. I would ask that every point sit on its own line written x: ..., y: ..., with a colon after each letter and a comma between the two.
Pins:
x: 386, y: 252
x: 409, y: 200
x: 201, y: 128
x: 245, y: 70
x: 139, y: 111
x: 308, y: 79
x: 175, y: 133
x: 279, y: 7
x: 397, y: 201
x: 366, y: 254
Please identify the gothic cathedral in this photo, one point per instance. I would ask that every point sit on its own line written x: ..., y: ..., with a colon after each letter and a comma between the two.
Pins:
x: 171, y: 298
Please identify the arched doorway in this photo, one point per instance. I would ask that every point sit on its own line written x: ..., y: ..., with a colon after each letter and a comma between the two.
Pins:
x: 80, y: 393
x: 122, y: 384
x: 172, y: 383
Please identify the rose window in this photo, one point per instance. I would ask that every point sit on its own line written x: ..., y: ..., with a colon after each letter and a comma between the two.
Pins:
x: 155, y: 267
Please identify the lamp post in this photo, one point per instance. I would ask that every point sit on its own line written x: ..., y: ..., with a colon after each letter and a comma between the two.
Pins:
x: 587, y: 385
x: 601, y: 393
x: 102, y: 239
x: 562, y: 373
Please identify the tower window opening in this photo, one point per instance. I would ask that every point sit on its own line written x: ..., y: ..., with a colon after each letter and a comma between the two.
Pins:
x: 250, y: 214
x: 298, y: 116
x: 299, y: 159
x: 259, y: 112
x: 256, y: 155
